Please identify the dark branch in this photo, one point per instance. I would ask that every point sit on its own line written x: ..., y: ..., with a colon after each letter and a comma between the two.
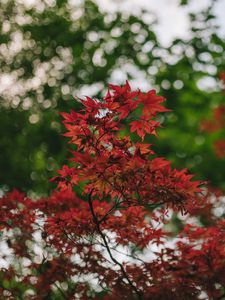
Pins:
x: 97, y: 223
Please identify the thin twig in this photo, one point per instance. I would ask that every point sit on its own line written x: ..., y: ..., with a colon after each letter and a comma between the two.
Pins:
x: 61, y: 291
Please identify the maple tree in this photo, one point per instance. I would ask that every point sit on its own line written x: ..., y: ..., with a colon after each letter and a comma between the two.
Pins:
x: 107, y: 231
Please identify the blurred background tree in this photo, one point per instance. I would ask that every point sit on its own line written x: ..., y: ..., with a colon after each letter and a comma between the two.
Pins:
x: 54, y: 51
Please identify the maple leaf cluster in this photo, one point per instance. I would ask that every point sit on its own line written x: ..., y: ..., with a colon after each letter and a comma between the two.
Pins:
x: 106, y: 232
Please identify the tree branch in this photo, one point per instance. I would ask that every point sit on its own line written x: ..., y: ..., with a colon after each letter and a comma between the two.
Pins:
x: 116, y: 262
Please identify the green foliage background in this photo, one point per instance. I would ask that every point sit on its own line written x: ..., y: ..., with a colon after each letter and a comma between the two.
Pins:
x: 63, y: 49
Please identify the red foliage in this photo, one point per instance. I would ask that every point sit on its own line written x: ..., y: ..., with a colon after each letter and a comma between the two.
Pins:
x: 107, y: 231
x: 215, y: 125
x: 222, y: 78
x: 216, y: 122
x: 219, y: 148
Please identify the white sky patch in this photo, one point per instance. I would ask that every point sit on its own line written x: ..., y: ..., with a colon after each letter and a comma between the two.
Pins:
x: 172, y: 18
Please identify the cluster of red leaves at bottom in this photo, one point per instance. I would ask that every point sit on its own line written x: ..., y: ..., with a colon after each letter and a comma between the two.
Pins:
x: 73, y: 250
x: 102, y: 234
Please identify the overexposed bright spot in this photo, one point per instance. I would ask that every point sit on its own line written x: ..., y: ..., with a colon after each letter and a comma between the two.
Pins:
x: 34, y: 118
x: 207, y: 83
